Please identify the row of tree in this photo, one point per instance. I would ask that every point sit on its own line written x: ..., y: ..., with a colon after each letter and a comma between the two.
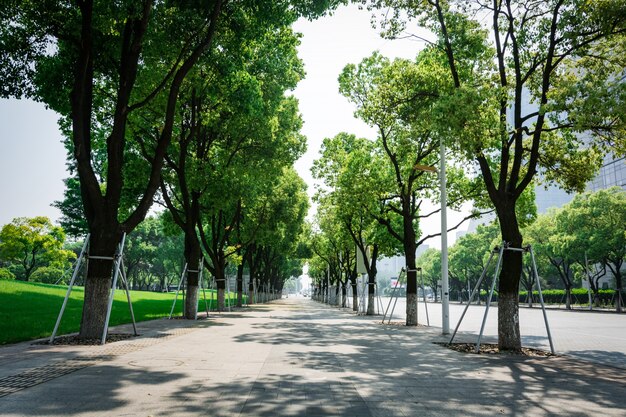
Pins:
x: 168, y: 95
x: 582, y: 241
x: 509, y: 89
x: 35, y: 250
x: 182, y: 97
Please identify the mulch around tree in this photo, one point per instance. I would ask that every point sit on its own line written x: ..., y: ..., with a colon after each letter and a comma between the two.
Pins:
x: 400, y: 323
x: 75, y: 340
x: 492, y: 349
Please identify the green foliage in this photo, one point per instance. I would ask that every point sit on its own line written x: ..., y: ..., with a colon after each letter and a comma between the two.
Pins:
x: 430, y: 264
x: 594, y: 223
x: 348, y: 168
x: 73, y: 218
x: 30, y: 243
x: 5, y: 274
x: 408, y: 103
x: 152, y: 256
x: 470, y: 253
x: 580, y: 295
x: 47, y: 275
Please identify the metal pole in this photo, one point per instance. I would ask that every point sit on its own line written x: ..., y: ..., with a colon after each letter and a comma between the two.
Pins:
x: 424, y: 295
x: 206, y: 305
x: 393, y: 309
x: 493, y: 285
x: 112, y: 293
x: 543, y: 307
x: 69, y: 288
x: 180, y: 281
x: 393, y: 291
x: 130, y: 304
x: 480, y: 280
x: 228, y: 291
x: 445, y: 298
x: 214, y: 289
x: 588, y: 282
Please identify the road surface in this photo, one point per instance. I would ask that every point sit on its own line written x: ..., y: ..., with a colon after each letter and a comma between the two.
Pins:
x: 595, y: 336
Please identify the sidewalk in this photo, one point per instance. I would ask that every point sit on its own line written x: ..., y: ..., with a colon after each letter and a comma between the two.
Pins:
x: 295, y: 357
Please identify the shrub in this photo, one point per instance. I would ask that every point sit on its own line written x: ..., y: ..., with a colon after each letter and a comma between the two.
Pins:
x: 579, y: 296
x: 47, y: 275
x: 6, y: 274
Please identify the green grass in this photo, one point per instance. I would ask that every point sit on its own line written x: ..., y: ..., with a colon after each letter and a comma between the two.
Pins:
x: 29, y: 310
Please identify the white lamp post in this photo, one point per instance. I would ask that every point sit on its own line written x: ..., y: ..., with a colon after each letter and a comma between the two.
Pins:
x: 445, y: 296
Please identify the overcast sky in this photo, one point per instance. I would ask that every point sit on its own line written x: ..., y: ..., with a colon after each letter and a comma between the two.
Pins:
x: 32, y: 157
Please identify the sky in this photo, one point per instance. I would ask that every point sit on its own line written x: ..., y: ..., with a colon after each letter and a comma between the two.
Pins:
x: 32, y: 157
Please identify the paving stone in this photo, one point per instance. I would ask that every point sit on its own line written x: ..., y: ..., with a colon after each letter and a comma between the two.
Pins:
x: 295, y: 358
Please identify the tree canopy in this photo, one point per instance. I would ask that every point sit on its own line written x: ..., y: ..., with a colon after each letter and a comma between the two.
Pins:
x: 27, y: 244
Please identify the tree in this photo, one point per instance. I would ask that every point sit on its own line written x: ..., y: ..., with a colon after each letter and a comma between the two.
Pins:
x: 546, y: 73
x: 343, y: 249
x: 548, y: 242
x: 430, y: 264
x: 399, y: 98
x: 32, y: 243
x: 115, y: 64
x: 594, y: 223
x: 72, y: 215
x: 282, y: 226
x: 110, y: 61
x: 343, y: 165
x: 470, y: 254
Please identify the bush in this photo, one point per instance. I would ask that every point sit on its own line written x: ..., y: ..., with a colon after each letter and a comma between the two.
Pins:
x: 47, y: 275
x: 399, y: 292
x: 6, y: 274
x: 579, y: 296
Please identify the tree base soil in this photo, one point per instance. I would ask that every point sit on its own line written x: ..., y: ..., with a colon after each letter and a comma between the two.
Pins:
x: 75, y: 340
x: 400, y: 323
x: 492, y: 349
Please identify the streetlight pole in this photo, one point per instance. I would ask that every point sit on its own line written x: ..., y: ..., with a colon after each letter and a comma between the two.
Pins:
x: 445, y: 297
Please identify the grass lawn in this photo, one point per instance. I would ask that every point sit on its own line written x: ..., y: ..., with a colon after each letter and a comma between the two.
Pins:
x: 29, y: 310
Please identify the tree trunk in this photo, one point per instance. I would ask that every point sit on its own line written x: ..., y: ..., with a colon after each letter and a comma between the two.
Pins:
x: 618, y: 287
x: 371, y: 283
x: 568, y: 297
x: 251, y: 298
x: 192, y: 257
x: 326, y: 291
x: 252, y: 272
x: 344, y: 295
x: 355, y: 296
x: 220, y: 280
x: 508, y: 289
x: 240, y: 285
x: 411, y: 286
x: 98, y: 283
x: 409, y: 254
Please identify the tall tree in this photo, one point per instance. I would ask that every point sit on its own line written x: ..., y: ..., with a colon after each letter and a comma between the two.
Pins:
x: 115, y: 63
x: 528, y: 82
x: 549, y: 243
x: 470, y: 254
x: 401, y: 100
x: 30, y: 243
x: 110, y: 61
x: 594, y: 223
x: 344, y: 163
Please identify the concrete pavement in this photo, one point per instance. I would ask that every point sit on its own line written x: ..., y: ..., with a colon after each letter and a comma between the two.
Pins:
x: 295, y: 357
x: 595, y: 336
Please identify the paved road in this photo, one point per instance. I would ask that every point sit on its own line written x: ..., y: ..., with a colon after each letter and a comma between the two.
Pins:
x: 596, y: 336
x: 294, y: 357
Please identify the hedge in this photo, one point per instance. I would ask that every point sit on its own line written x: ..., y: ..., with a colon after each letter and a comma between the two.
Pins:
x: 579, y: 296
